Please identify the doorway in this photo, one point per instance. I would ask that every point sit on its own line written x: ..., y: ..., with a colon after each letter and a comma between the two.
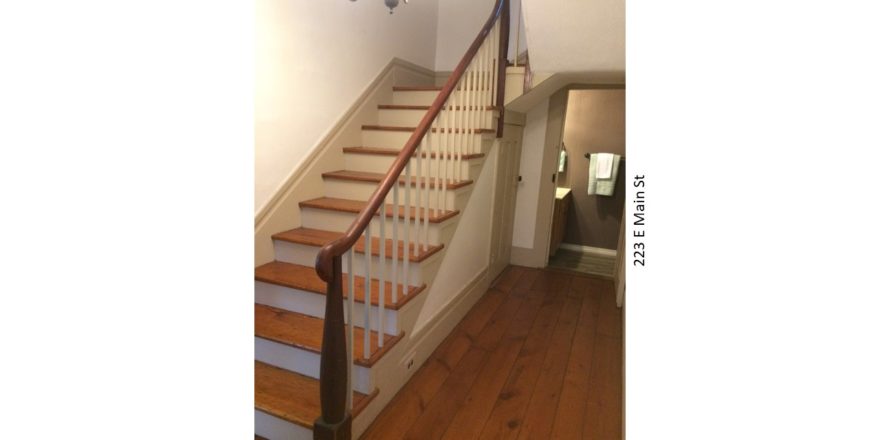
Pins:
x: 587, y: 224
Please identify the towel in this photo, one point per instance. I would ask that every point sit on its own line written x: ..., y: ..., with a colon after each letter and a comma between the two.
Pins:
x: 603, y: 186
x: 604, y: 162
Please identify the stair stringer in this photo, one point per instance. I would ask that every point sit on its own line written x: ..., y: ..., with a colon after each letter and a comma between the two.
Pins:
x: 430, y: 317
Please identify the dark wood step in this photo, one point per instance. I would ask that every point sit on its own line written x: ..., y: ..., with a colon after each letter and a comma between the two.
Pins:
x: 435, y: 130
x: 392, y: 152
x: 294, y: 397
x: 417, y: 88
x: 364, y: 176
x: 305, y: 278
x: 307, y: 333
x: 319, y: 238
x: 426, y: 107
x: 356, y: 206
x: 424, y: 88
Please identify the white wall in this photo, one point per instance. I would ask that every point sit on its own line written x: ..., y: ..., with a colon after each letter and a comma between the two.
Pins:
x: 457, y: 26
x: 313, y: 59
x: 468, y: 252
x: 576, y: 36
x: 534, y: 138
x: 515, y: 6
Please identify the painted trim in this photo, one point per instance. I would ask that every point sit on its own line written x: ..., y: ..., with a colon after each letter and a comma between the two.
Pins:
x: 589, y: 250
x: 394, y: 375
x: 324, y: 143
x: 527, y: 257
x: 418, y: 334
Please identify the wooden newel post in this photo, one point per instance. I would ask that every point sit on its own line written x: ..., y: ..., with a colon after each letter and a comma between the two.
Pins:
x: 335, y: 420
x: 502, y: 63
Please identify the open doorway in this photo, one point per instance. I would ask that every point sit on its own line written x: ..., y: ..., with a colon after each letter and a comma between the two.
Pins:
x: 588, y: 208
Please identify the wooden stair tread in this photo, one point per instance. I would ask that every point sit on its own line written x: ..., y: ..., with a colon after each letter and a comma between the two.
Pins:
x: 294, y: 397
x: 307, y: 332
x: 426, y: 107
x: 393, y: 152
x: 305, y: 278
x: 365, y: 176
x: 319, y: 238
x: 435, y: 130
x: 417, y: 88
x: 422, y: 88
x: 355, y: 206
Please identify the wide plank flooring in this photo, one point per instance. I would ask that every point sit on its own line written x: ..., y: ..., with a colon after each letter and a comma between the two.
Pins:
x: 540, y: 356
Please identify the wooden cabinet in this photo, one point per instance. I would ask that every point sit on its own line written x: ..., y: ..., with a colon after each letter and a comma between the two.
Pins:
x: 560, y: 215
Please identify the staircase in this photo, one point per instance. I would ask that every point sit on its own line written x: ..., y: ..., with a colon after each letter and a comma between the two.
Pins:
x: 442, y: 134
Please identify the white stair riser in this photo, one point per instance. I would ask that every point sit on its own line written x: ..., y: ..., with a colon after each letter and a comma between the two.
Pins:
x: 401, y: 118
x: 427, y: 97
x: 359, y: 190
x: 412, y: 118
x: 471, y: 143
x: 414, y: 97
x: 312, y: 304
x: 304, y: 362
x: 273, y: 428
x: 340, y: 221
x: 374, y: 163
x: 305, y: 255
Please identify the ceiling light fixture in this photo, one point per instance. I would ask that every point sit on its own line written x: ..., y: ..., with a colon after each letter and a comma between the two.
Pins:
x: 391, y: 4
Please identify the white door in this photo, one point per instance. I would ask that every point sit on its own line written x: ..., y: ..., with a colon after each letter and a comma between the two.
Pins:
x: 506, y: 179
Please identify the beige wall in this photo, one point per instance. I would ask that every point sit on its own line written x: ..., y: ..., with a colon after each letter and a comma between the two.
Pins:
x: 313, y: 60
x: 535, y: 208
x: 595, y: 123
x: 576, y: 36
x: 458, y: 22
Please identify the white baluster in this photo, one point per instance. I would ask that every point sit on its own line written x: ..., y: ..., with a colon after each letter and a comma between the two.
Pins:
x: 350, y: 342
x: 407, y: 238
x: 418, y: 190
x: 426, y: 151
x: 469, y: 111
x: 381, y: 324
x: 395, y: 244
x: 453, y: 111
x: 368, y: 261
x: 484, y: 81
x: 444, y: 148
x: 430, y: 140
x: 462, y: 138
x: 497, y: 62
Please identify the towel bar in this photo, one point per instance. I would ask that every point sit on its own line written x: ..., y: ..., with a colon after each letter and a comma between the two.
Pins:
x: 587, y: 155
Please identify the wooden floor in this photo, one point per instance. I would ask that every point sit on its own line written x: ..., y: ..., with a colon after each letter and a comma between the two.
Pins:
x: 539, y: 356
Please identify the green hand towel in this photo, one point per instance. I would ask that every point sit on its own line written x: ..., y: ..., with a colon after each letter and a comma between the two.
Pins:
x: 602, y: 187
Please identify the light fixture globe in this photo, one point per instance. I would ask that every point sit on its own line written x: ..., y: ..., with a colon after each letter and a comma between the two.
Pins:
x: 391, y: 4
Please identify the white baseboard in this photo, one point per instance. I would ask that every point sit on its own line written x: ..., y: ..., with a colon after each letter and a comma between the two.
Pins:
x: 589, y: 250
x: 527, y: 257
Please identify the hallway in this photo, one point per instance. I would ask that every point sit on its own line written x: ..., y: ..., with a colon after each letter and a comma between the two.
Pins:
x: 539, y: 356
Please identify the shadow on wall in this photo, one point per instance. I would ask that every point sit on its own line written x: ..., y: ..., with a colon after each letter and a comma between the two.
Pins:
x: 597, y: 219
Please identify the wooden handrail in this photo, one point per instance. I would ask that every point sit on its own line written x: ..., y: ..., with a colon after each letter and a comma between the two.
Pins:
x: 324, y: 260
x: 335, y: 421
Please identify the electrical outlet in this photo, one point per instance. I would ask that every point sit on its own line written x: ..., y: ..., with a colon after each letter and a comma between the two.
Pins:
x: 410, y: 361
